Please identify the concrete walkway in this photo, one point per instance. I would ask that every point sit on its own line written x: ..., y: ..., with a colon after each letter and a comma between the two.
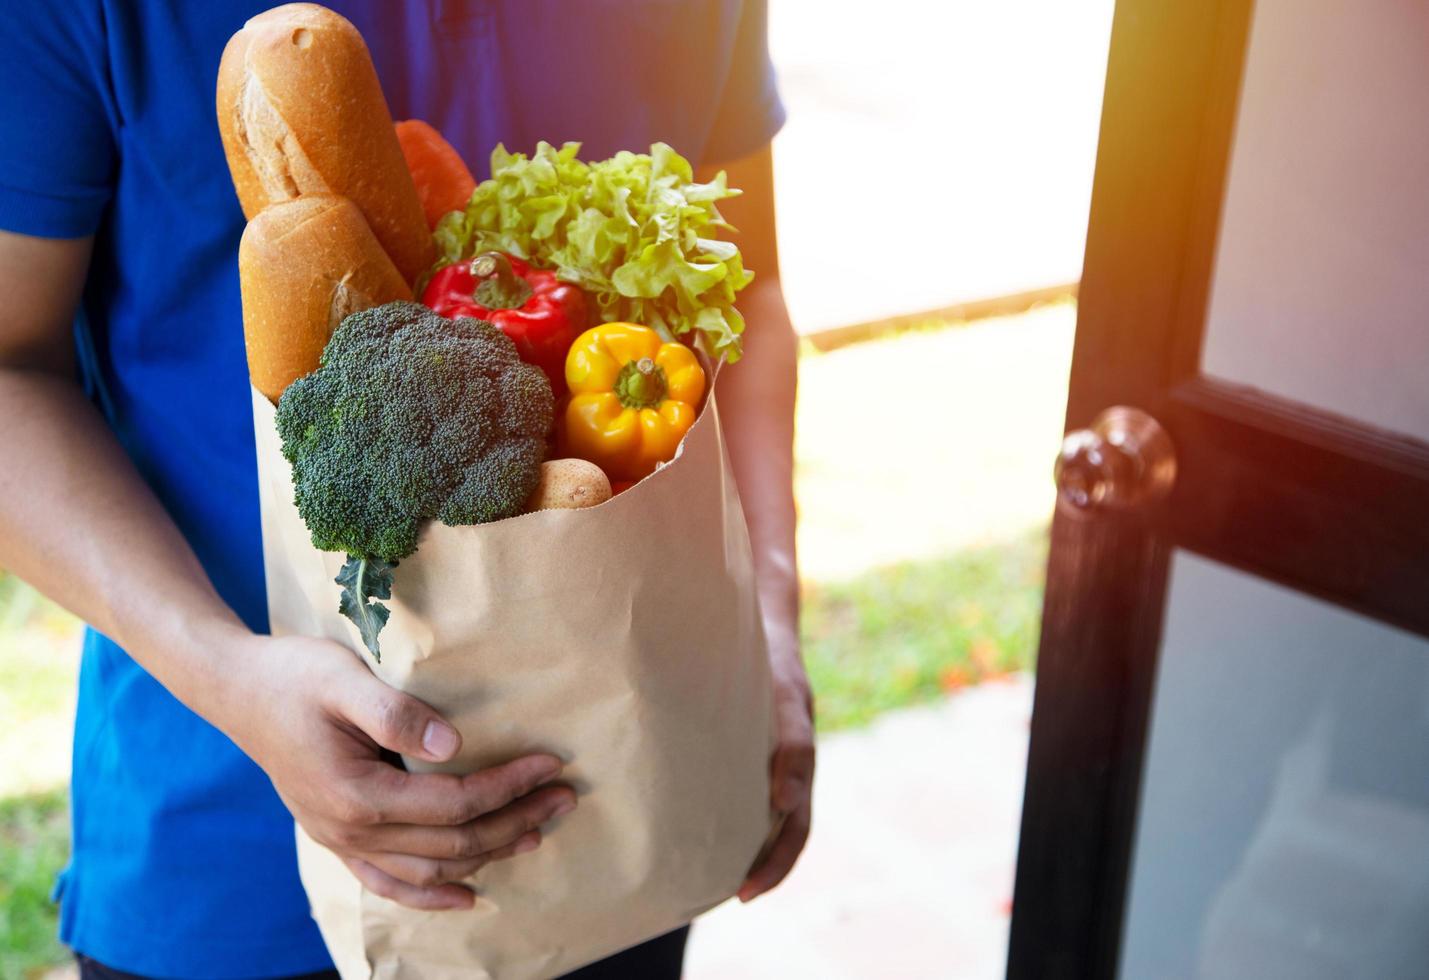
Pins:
x: 908, y: 873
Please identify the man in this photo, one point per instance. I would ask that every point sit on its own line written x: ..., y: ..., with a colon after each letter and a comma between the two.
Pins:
x: 130, y: 493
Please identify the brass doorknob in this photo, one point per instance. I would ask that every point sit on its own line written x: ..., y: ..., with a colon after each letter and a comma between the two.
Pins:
x: 1124, y: 461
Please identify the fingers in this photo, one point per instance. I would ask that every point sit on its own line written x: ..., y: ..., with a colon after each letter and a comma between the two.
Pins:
x: 779, y: 860
x: 397, y: 721
x: 791, y: 785
x: 791, y: 775
x: 428, y: 874
x: 444, y: 800
x: 432, y: 898
x: 471, y: 840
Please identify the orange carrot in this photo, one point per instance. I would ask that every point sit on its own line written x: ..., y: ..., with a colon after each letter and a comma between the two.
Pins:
x: 443, y: 181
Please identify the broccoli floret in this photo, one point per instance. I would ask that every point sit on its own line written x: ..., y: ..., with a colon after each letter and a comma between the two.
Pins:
x: 410, y: 417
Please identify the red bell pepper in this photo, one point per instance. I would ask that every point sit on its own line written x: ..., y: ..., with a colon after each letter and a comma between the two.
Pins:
x: 541, y: 314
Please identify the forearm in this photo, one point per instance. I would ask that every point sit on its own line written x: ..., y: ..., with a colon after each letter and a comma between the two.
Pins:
x: 78, y: 522
x: 757, y: 397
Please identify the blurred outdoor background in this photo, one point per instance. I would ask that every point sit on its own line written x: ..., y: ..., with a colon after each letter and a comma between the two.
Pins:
x: 934, y: 178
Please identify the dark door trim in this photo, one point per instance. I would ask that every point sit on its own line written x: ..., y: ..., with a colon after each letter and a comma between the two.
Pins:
x: 1304, y: 498
x: 1173, y: 75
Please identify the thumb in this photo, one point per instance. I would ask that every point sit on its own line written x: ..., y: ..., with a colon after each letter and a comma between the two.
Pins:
x: 401, y: 723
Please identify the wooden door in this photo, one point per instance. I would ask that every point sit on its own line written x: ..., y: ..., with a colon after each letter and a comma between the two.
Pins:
x: 1229, y: 764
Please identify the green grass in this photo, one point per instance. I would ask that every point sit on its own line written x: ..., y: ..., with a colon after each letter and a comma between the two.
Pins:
x: 34, y: 845
x: 37, y: 677
x: 908, y: 633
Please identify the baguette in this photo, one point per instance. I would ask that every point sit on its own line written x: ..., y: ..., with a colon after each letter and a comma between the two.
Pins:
x: 302, y: 267
x: 301, y: 112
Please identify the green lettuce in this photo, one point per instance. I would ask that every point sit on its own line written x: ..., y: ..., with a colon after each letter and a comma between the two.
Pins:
x: 635, y: 232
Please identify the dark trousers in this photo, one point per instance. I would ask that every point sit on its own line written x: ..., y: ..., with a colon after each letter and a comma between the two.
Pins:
x: 661, y: 958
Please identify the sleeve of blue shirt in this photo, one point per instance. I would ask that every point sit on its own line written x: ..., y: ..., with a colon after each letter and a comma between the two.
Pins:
x: 57, y: 153
x: 750, y: 111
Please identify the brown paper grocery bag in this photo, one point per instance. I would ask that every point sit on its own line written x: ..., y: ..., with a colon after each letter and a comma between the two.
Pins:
x: 625, y: 638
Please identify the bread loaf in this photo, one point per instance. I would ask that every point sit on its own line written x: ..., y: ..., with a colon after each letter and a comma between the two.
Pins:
x: 303, y: 266
x: 301, y: 112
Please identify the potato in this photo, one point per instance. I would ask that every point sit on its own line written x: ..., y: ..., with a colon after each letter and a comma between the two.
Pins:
x: 567, y: 484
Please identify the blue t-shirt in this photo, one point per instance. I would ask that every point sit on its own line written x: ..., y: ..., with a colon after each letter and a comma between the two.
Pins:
x: 183, y: 859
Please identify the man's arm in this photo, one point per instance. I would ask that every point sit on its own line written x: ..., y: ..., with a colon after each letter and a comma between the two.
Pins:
x: 78, y: 522
x: 756, y: 400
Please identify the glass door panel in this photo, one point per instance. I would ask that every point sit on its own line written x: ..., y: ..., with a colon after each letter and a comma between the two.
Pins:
x: 1320, y: 289
x: 1284, y: 819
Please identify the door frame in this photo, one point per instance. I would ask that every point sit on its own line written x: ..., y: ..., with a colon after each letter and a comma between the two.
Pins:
x: 1308, y: 499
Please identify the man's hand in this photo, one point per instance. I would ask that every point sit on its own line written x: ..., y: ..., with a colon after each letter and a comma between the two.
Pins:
x: 316, y: 722
x: 791, y: 779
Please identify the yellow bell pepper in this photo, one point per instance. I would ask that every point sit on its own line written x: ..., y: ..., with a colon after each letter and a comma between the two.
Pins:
x: 633, y: 398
